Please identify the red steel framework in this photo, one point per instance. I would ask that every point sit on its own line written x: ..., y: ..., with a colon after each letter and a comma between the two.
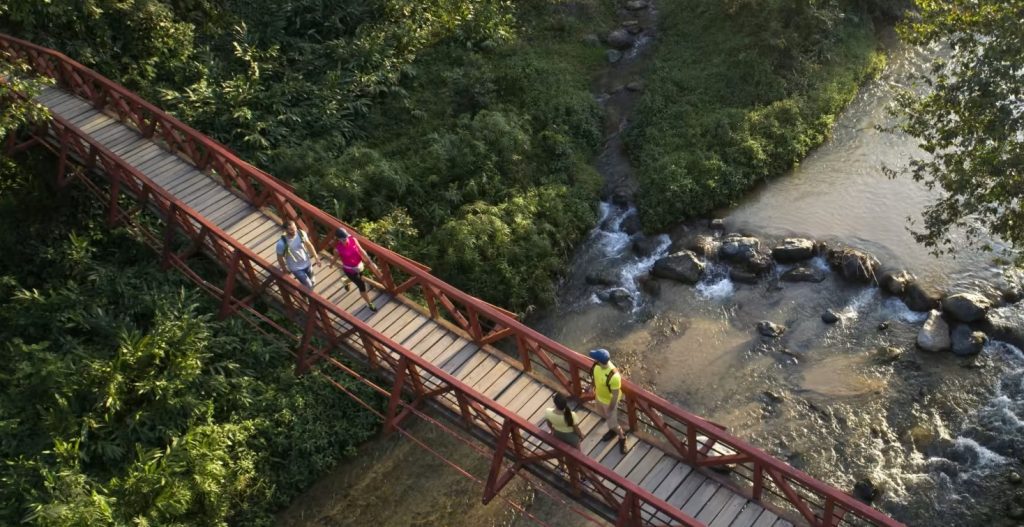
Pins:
x: 679, y: 433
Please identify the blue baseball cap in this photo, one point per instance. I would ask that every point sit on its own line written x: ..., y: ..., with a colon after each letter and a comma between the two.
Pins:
x: 600, y: 355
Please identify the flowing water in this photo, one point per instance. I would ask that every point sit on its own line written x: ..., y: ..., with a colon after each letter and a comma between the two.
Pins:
x: 937, y: 434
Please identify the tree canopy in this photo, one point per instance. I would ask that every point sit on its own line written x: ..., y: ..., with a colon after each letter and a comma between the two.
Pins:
x: 970, y: 120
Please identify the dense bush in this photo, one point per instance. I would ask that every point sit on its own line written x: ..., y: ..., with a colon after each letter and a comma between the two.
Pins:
x: 740, y: 91
x: 123, y: 402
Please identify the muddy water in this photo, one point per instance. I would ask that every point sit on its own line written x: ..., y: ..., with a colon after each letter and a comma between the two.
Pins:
x: 937, y: 434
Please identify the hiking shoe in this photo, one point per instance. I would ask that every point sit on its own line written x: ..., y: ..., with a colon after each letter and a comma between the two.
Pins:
x: 608, y: 435
x: 372, y: 307
x: 622, y: 445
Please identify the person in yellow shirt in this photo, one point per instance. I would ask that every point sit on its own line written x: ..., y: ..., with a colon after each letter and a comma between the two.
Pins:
x: 607, y: 392
x: 564, y: 423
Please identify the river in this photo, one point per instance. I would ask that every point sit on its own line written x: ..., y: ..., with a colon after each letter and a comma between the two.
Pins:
x: 939, y: 436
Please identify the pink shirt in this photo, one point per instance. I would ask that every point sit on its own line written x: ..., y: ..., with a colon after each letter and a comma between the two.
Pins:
x: 348, y: 251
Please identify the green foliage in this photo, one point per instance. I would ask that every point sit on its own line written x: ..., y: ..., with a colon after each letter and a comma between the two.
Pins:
x: 970, y: 120
x: 740, y: 91
x: 123, y: 402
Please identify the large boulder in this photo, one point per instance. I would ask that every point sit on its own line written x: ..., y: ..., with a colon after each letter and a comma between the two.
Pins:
x: 853, y: 264
x: 617, y: 297
x: 770, y: 329
x: 758, y: 263
x: 742, y: 276
x: 895, y: 282
x: 620, y: 39
x: 738, y: 248
x: 683, y: 266
x: 966, y: 341
x: 1006, y: 324
x: 934, y: 335
x: 803, y: 273
x: 606, y: 275
x: 920, y: 297
x: 630, y: 224
x: 966, y: 307
x: 830, y: 317
x: 793, y: 250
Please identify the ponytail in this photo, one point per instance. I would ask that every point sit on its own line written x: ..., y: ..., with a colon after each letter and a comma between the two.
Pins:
x: 563, y: 405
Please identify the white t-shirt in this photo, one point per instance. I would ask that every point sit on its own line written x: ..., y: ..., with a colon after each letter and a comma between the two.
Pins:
x: 296, y: 257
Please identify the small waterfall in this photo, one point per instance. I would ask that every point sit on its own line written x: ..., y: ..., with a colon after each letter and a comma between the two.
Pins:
x: 716, y: 284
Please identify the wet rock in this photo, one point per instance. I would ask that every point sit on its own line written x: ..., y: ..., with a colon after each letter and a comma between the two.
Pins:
x: 683, y: 266
x: 888, y: 354
x: 621, y: 196
x: 1014, y: 477
x: 636, y: 5
x: 965, y: 341
x: 635, y: 30
x: 613, y: 56
x: 717, y: 224
x: 1006, y: 325
x: 966, y: 307
x: 771, y: 397
x: 630, y: 224
x: 793, y: 250
x: 1015, y: 513
x: 919, y: 297
x: 803, y: 274
x: 759, y: 263
x: 743, y: 276
x: 619, y: 39
x: 853, y: 264
x: 630, y: 23
x: 830, y: 317
x: 605, y: 275
x: 592, y: 40
x: 650, y: 285
x: 702, y: 244
x: 865, y: 490
x: 618, y: 297
x: 770, y: 329
x: 934, y: 335
x: 738, y: 248
x: 895, y: 282
x: 635, y: 86
x: 645, y: 246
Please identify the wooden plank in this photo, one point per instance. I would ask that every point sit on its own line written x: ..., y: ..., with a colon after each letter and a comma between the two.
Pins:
x: 191, y: 182
x: 698, y: 498
x: 646, y: 465
x: 382, y: 312
x: 49, y: 95
x: 155, y: 165
x: 730, y: 512
x: 747, y: 516
x: 128, y: 145
x: 448, y: 353
x: 138, y: 156
x: 412, y: 328
x: 635, y: 455
x: 782, y: 523
x: 69, y: 102
x: 90, y: 123
x: 169, y: 174
x: 395, y: 320
x: 439, y: 345
x: 502, y: 383
x: 714, y: 505
x: 244, y: 224
x: 661, y: 470
x: 679, y: 474
x: 227, y: 209
x: 256, y: 233
x: 235, y: 216
x: 461, y: 358
x: 114, y: 135
x: 70, y: 109
x: 428, y: 335
x: 378, y: 298
x: 766, y: 519
x: 534, y: 408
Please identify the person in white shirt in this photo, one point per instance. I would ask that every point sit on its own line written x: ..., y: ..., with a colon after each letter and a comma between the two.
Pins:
x: 296, y: 254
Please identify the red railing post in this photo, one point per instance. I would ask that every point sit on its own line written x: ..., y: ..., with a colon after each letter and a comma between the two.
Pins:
x: 493, y: 486
x: 229, y: 285
x: 301, y: 365
x: 631, y: 413
x: 168, y: 251
x: 758, y: 481
x: 401, y: 372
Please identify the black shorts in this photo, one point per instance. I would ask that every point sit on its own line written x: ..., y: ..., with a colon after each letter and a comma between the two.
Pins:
x: 356, y: 277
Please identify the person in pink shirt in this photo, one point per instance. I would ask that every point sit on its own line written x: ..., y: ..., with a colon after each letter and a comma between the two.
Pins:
x: 353, y: 258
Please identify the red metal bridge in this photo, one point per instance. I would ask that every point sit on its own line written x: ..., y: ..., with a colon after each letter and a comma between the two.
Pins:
x: 466, y: 359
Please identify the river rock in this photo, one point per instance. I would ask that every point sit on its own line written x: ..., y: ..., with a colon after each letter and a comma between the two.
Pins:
x: 630, y: 224
x: 618, y: 297
x: 803, y: 273
x: 919, y: 297
x: 770, y: 329
x: 683, y: 266
x: 1005, y: 324
x: 742, y: 276
x: 853, y: 264
x: 895, y: 282
x: 888, y: 354
x: 934, y: 335
x: 701, y: 244
x: 619, y: 39
x: 613, y: 56
x: 645, y: 246
x: 717, y: 224
x: 966, y: 307
x: 965, y: 341
x: 636, y: 5
x: 865, y: 490
x: 830, y: 317
x: 635, y: 86
x: 621, y: 196
x: 650, y: 285
x: 605, y: 275
x: 738, y: 248
x: 793, y: 250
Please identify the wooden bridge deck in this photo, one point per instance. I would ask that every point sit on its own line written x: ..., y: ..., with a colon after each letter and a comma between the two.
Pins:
x: 485, y: 369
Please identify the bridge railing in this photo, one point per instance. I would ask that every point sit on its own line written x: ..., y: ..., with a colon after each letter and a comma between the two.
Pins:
x: 687, y: 436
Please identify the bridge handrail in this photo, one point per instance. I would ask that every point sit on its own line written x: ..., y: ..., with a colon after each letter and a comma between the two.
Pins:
x: 485, y: 323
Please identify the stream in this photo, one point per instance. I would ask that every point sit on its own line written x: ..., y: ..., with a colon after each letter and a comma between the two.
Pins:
x: 939, y: 436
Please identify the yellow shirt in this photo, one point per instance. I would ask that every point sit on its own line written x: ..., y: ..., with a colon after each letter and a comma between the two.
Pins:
x: 557, y: 420
x: 601, y: 382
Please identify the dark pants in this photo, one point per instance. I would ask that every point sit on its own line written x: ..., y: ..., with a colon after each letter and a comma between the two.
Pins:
x: 356, y: 277
x: 305, y: 276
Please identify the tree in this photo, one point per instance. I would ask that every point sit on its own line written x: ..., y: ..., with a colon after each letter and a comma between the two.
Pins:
x: 970, y: 121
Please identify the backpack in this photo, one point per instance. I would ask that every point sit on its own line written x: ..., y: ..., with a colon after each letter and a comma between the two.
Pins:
x: 607, y: 379
x: 287, y: 246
